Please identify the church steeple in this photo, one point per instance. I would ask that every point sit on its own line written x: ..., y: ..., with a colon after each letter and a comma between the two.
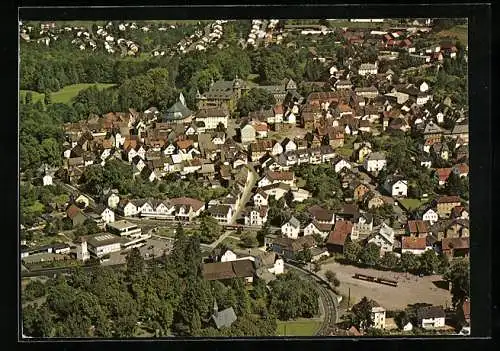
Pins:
x: 181, y: 99
x: 216, y: 308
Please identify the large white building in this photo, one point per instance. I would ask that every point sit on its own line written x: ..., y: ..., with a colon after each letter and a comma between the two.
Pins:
x: 103, y: 243
x: 375, y: 162
x: 124, y: 228
x: 209, y: 118
x: 368, y: 68
x: 291, y: 228
x: 378, y: 317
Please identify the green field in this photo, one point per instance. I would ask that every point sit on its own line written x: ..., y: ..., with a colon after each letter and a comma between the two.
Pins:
x: 411, y: 204
x: 459, y: 32
x: 343, y: 151
x: 65, y: 95
x: 302, y: 327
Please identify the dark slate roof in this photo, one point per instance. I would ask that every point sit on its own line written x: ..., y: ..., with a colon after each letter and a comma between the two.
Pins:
x: 177, y: 111
x: 430, y: 312
x: 224, y: 318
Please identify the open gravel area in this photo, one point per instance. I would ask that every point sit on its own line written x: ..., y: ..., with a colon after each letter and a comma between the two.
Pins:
x: 411, y: 289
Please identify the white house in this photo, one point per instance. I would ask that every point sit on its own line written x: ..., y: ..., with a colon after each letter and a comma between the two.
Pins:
x: 396, y: 187
x: 384, y: 238
x: 47, y: 180
x: 256, y: 216
x: 260, y: 198
x: 277, y: 149
x: 248, y: 133
x: 300, y: 195
x: 430, y: 216
x: 339, y: 164
x: 107, y: 215
x: 83, y: 199
x: 113, y: 200
x: 288, y: 145
x: 278, y: 267
x: 408, y: 327
x: 277, y: 190
x: 228, y: 256
x: 367, y: 68
x: 431, y: 317
x: 315, y: 227
x: 126, y: 208
x: 375, y: 162
x: 378, y: 317
x: 222, y: 213
x: 291, y: 228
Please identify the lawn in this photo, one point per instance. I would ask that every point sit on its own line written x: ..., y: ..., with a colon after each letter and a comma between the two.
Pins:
x: 231, y: 243
x: 346, y: 152
x: 411, y: 204
x: 65, y: 95
x: 169, y: 233
x: 302, y: 327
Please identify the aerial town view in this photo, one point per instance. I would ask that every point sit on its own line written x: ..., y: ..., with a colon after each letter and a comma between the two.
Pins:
x: 261, y: 177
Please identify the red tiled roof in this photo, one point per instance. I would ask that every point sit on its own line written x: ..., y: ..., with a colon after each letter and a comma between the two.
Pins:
x: 339, y: 233
x: 448, y: 199
x: 457, y: 211
x: 278, y: 109
x: 280, y: 175
x: 462, y: 168
x: 72, y: 211
x: 417, y: 226
x: 413, y: 243
x: 194, y: 203
x: 184, y: 144
x: 466, y: 309
x: 443, y: 173
x: 455, y: 243
x: 260, y: 127
x: 320, y: 214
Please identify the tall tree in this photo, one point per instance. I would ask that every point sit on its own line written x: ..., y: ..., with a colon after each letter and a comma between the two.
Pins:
x: 458, y: 274
x: 352, y: 251
x: 361, y: 314
x: 370, y: 254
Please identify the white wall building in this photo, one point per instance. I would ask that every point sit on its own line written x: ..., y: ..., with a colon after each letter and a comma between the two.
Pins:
x: 291, y: 228
x: 378, y: 317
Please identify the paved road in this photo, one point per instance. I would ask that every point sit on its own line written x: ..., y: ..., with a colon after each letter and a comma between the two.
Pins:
x: 329, y: 301
x: 247, y: 192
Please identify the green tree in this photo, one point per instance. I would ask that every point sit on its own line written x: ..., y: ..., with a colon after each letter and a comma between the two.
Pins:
x: 135, y: 263
x: 409, y: 262
x: 262, y: 233
x: 361, y: 314
x: 28, y: 97
x: 291, y: 297
x: 249, y: 239
x: 47, y: 98
x: 332, y: 278
x: 370, y: 254
x: 458, y: 274
x: 255, y: 99
x: 272, y: 67
x: 390, y: 260
x: 352, y: 251
x: 429, y: 262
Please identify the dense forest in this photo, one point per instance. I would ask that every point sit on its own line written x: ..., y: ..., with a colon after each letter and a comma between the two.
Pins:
x: 166, y: 299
